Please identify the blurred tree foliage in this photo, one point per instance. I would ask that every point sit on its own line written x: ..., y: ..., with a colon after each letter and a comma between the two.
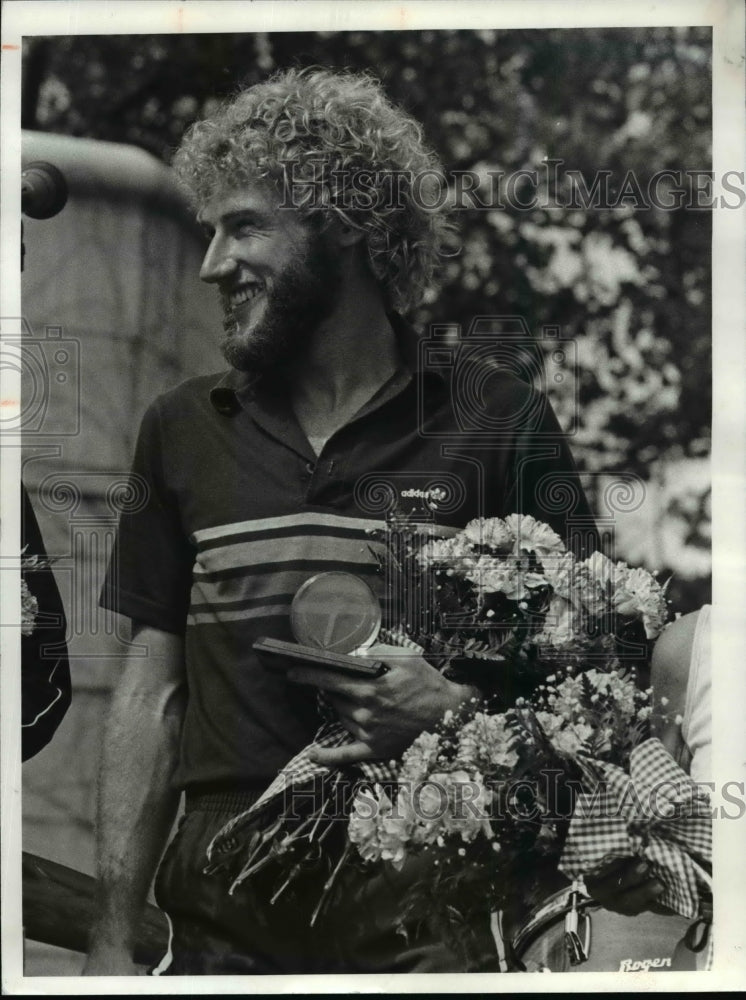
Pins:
x: 630, y: 284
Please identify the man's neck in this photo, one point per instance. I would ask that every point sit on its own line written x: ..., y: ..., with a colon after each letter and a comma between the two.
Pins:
x: 353, y: 354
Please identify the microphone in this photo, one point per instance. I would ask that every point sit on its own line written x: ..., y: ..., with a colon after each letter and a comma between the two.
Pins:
x: 43, y: 190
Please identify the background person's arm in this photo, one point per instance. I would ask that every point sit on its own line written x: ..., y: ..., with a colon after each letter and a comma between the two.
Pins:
x: 672, y: 656
x: 137, y: 804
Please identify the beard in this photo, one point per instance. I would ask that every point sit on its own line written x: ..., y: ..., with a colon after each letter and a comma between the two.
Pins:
x: 304, y: 293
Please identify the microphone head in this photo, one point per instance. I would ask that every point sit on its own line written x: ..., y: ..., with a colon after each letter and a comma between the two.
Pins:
x: 43, y: 190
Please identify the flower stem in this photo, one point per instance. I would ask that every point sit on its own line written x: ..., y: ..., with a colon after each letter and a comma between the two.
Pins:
x: 329, y: 883
x: 293, y: 872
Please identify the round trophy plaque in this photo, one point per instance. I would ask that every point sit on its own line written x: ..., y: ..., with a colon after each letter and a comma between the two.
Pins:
x: 335, y: 611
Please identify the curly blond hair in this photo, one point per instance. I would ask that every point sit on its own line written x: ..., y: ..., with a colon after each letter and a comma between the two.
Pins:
x: 334, y: 145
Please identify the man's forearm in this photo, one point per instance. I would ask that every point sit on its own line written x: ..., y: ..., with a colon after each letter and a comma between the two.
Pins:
x: 136, y: 805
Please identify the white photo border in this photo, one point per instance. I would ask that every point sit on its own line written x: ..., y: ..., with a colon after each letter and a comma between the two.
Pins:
x: 726, y: 17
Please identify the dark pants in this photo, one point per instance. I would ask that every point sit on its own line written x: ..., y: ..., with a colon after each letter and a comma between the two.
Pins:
x: 215, y: 933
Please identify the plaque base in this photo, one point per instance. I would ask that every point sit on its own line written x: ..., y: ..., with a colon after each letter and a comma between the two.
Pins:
x: 278, y: 655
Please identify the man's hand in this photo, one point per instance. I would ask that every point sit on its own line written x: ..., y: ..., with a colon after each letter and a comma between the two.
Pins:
x: 626, y: 885
x: 384, y: 714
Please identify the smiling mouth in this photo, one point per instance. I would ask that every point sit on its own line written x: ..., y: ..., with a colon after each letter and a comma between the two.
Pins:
x: 244, y: 294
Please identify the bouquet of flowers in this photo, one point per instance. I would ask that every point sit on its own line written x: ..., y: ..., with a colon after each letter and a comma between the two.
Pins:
x: 552, y: 642
x: 488, y: 797
x: 503, y: 603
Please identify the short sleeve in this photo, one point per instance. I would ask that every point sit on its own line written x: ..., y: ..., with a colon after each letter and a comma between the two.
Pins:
x: 149, y: 575
x: 544, y: 480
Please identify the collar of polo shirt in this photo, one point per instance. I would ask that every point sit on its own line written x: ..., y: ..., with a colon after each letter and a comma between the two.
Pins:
x: 234, y: 388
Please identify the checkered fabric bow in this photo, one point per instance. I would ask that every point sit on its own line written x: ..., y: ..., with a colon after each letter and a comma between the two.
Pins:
x: 300, y: 771
x: 656, y: 812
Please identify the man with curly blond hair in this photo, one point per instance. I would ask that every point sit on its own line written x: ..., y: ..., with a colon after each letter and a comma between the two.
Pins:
x: 326, y: 217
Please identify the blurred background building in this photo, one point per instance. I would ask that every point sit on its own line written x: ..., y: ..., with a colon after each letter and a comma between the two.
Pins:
x: 117, y: 313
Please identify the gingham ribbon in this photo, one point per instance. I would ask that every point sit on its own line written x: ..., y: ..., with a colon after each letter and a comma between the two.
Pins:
x: 302, y: 770
x: 656, y: 812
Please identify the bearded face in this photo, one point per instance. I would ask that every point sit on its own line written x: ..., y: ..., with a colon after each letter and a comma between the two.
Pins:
x: 279, y: 277
x: 270, y: 323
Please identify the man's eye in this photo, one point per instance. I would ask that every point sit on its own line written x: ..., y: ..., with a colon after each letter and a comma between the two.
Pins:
x: 207, y: 231
x: 245, y: 227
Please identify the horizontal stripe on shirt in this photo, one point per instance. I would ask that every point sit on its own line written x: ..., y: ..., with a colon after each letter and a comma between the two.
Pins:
x: 289, y: 552
x: 288, y: 523
x: 246, y: 572
x: 218, y: 615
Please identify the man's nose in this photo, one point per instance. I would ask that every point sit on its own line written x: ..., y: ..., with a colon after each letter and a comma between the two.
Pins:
x: 218, y: 262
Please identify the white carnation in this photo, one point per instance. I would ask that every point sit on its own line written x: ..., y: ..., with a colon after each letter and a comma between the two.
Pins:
x: 640, y: 596
x: 489, y: 531
x: 533, y: 536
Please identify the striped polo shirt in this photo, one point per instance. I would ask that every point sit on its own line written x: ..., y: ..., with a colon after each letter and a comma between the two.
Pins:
x: 240, y: 511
